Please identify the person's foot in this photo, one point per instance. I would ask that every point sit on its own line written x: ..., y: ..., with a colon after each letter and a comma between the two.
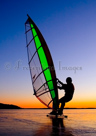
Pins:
x: 53, y: 113
x: 60, y: 112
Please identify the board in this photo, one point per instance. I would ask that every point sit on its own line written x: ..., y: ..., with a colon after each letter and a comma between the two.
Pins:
x: 56, y: 116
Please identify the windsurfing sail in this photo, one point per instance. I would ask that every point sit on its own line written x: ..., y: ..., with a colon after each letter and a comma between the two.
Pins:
x: 41, y: 66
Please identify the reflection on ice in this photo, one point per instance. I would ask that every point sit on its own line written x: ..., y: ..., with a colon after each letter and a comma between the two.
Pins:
x: 34, y: 122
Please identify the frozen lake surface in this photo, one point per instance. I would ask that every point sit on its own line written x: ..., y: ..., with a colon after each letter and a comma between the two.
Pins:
x: 34, y: 122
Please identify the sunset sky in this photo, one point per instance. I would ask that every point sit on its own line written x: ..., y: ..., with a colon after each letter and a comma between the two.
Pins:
x: 69, y: 29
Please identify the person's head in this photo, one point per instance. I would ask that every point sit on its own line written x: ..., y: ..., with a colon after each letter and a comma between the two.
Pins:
x: 68, y: 80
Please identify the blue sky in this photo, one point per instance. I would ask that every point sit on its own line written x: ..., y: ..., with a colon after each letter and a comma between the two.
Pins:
x: 69, y: 28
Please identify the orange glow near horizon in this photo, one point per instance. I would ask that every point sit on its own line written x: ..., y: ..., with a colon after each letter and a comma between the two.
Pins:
x: 81, y: 104
x: 71, y: 104
x: 35, y: 103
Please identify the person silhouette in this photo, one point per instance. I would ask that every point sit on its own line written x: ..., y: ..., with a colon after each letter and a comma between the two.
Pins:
x: 69, y: 91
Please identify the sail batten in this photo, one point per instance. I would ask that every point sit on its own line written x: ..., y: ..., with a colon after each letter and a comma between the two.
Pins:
x: 40, y: 62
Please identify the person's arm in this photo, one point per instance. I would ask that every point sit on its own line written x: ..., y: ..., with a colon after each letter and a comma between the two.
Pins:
x: 58, y: 81
x: 60, y: 86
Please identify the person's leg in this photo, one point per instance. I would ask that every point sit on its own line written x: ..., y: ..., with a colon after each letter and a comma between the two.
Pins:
x: 62, y: 107
x: 62, y: 101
